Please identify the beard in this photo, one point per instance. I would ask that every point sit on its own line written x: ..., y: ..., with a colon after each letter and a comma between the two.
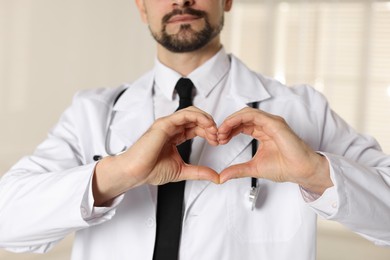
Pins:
x: 187, y: 39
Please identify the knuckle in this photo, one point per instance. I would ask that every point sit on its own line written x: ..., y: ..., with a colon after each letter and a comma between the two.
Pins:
x: 280, y: 120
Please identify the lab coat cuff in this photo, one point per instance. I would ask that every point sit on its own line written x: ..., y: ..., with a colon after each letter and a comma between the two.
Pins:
x: 327, y: 204
x: 96, y: 215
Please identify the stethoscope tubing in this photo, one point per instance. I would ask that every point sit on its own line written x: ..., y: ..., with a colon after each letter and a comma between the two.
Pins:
x: 254, y: 190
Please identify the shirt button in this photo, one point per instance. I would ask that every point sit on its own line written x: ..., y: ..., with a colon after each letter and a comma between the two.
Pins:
x: 84, y: 212
x: 150, y: 222
x: 334, y: 205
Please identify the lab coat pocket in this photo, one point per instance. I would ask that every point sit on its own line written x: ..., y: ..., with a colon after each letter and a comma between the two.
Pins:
x: 277, y: 215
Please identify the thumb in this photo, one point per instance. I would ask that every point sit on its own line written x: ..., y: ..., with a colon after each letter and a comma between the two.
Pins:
x: 235, y: 171
x: 196, y: 172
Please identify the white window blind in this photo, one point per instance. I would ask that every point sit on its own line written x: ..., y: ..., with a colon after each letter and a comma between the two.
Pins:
x: 342, y: 48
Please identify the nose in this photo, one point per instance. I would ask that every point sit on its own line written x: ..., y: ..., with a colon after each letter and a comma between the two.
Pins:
x: 182, y: 3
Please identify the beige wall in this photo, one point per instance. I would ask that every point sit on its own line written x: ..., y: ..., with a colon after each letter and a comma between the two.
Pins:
x: 49, y: 49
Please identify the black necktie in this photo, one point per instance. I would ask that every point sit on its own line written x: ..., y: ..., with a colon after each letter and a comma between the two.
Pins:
x: 170, y: 196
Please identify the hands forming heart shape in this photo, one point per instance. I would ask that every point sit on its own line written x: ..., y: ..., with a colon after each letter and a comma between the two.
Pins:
x: 282, y: 156
x: 154, y: 159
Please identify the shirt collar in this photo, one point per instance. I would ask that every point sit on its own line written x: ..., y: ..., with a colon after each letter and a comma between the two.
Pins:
x: 205, y: 77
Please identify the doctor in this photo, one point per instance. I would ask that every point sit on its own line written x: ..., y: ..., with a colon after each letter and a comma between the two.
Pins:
x: 309, y: 162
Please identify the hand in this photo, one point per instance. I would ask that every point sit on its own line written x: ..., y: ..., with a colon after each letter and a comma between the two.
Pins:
x: 281, y: 156
x: 154, y: 158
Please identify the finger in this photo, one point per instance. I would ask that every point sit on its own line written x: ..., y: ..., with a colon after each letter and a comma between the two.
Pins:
x: 176, y: 125
x: 252, y: 121
x: 235, y: 120
x: 195, y: 109
x: 188, y: 118
x: 236, y: 171
x: 247, y: 129
x: 209, y: 134
x: 231, y: 125
x: 248, y: 116
x: 191, y: 130
x: 194, y: 172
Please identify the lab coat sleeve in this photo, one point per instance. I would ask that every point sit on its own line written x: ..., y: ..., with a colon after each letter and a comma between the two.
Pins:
x: 48, y: 195
x: 96, y: 215
x: 360, y: 171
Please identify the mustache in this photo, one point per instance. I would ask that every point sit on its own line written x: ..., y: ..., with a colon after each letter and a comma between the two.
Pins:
x: 187, y: 10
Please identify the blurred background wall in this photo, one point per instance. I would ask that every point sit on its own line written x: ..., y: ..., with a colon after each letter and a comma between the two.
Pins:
x: 49, y: 49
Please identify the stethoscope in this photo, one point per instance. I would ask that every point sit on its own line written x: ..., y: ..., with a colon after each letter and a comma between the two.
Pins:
x: 107, y: 138
x: 254, y: 190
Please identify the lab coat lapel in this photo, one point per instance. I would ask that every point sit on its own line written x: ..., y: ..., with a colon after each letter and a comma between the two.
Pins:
x: 245, y: 88
x: 134, y: 114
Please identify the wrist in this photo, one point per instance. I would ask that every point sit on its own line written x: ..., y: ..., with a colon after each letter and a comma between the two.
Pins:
x: 107, y: 182
x: 319, y: 180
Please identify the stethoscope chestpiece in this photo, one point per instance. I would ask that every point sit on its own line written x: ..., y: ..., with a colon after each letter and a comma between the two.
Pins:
x: 253, y: 194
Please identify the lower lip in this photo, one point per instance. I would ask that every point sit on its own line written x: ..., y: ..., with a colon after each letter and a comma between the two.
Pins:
x: 184, y: 20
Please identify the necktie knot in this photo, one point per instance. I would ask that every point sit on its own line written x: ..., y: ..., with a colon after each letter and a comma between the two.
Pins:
x: 184, y: 88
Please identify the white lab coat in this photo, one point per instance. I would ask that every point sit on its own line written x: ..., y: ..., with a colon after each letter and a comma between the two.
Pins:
x: 47, y: 195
